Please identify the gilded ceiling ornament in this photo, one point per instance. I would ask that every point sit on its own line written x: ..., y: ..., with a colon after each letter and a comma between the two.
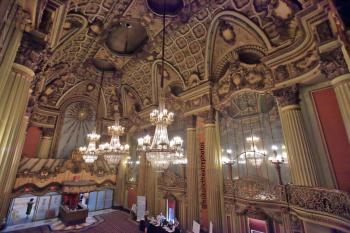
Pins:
x: 193, y: 80
x: 226, y: 31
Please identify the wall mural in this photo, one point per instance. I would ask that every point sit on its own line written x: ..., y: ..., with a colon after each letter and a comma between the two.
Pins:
x: 78, y: 121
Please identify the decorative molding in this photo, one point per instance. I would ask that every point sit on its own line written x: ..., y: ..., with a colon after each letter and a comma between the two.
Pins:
x: 287, y: 96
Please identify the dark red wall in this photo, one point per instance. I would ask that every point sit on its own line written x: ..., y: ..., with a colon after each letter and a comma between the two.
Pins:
x: 334, y: 134
x: 32, y: 142
x: 258, y: 225
x: 131, y: 197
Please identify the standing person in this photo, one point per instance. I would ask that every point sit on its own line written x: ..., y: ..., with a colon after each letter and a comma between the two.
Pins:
x: 29, y: 207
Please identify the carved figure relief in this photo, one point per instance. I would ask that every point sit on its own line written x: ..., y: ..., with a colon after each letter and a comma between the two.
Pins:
x: 333, y: 63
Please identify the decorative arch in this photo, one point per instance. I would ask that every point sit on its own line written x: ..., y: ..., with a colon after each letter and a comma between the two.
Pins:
x: 155, y: 79
x: 76, y: 93
x: 131, y: 100
x: 76, y: 120
x: 77, y: 23
x: 236, y: 18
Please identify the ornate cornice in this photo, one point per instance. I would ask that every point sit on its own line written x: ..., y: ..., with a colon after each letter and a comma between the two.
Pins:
x: 32, y: 53
x: 287, y: 96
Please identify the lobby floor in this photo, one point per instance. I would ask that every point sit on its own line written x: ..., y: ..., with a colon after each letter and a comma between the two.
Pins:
x: 114, y: 222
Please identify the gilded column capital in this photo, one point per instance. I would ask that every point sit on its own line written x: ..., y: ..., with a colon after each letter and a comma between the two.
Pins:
x: 210, y: 116
x: 31, y: 53
x: 24, y: 71
x: 345, y: 78
x: 23, y: 19
x: 191, y: 121
x: 287, y: 96
x: 47, y: 132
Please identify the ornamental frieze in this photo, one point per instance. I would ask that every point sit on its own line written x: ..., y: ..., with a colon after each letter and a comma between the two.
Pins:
x: 333, y: 63
x: 170, y: 179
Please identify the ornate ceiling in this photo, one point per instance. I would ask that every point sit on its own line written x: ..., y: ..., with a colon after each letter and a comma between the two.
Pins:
x: 237, y: 44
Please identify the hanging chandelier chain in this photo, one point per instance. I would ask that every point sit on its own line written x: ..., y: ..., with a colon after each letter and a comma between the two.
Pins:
x: 163, y: 48
x: 113, y: 151
x: 160, y: 151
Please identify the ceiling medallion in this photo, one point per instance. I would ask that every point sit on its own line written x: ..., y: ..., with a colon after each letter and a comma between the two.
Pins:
x: 126, y: 38
x: 172, y: 7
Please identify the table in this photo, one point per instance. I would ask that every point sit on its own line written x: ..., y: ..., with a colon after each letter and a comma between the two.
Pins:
x: 158, y: 229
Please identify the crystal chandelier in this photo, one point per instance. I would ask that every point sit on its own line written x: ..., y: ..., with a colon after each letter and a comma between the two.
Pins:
x: 90, y: 153
x: 114, y: 151
x: 161, y: 152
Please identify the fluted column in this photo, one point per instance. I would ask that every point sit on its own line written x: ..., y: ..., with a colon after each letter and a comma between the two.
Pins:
x: 182, y: 213
x: 45, y: 144
x: 286, y: 220
x: 296, y: 139
x: 151, y: 189
x: 141, y: 183
x: 7, y: 189
x: 119, y: 199
x: 192, y: 173
x: 214, y: 179
x: 13, y: 102
x: 341, y: 86
x: 14, y: 34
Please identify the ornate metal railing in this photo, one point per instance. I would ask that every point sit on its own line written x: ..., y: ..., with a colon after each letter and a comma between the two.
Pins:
x: 328, y: 201
x: 254, y: 189
x: 324, y: 201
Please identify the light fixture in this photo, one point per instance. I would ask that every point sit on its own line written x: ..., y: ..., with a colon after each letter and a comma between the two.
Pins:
x: 114, y: 151
x: 91, y: 152
x: 161, y: 152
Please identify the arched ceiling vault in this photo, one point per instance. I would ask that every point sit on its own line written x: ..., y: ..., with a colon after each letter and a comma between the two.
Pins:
x: 215, y: 40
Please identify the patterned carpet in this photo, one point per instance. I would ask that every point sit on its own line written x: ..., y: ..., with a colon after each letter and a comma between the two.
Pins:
x: 116, y: 222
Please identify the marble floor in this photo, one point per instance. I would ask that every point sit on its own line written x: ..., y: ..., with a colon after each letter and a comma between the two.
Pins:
x: 104, y: 221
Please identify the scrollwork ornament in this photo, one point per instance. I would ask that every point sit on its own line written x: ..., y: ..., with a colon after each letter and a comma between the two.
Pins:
x: 23, y: 19
x: 287, y: 96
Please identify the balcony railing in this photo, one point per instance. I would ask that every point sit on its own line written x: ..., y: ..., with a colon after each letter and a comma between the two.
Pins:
x: 312, y: 199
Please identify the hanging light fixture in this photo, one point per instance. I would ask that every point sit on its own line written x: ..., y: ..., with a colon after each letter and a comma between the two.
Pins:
x: 161, y: 152
x: 91, y: 152
x: 114, y: 151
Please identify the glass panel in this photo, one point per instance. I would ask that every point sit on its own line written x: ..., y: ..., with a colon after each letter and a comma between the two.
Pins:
x: 54, y: 206
x: 42, y: 207
x: 92, y: 201
x: 100, y: 200
x: 109, y: 198
x: 22, y: 210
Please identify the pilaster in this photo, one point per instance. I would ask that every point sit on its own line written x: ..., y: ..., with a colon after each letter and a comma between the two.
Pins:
x: 214, y: 178
x: 296, y: 139
x: 341, y: 86
x: 12, y: 110
x: 192, y: 172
